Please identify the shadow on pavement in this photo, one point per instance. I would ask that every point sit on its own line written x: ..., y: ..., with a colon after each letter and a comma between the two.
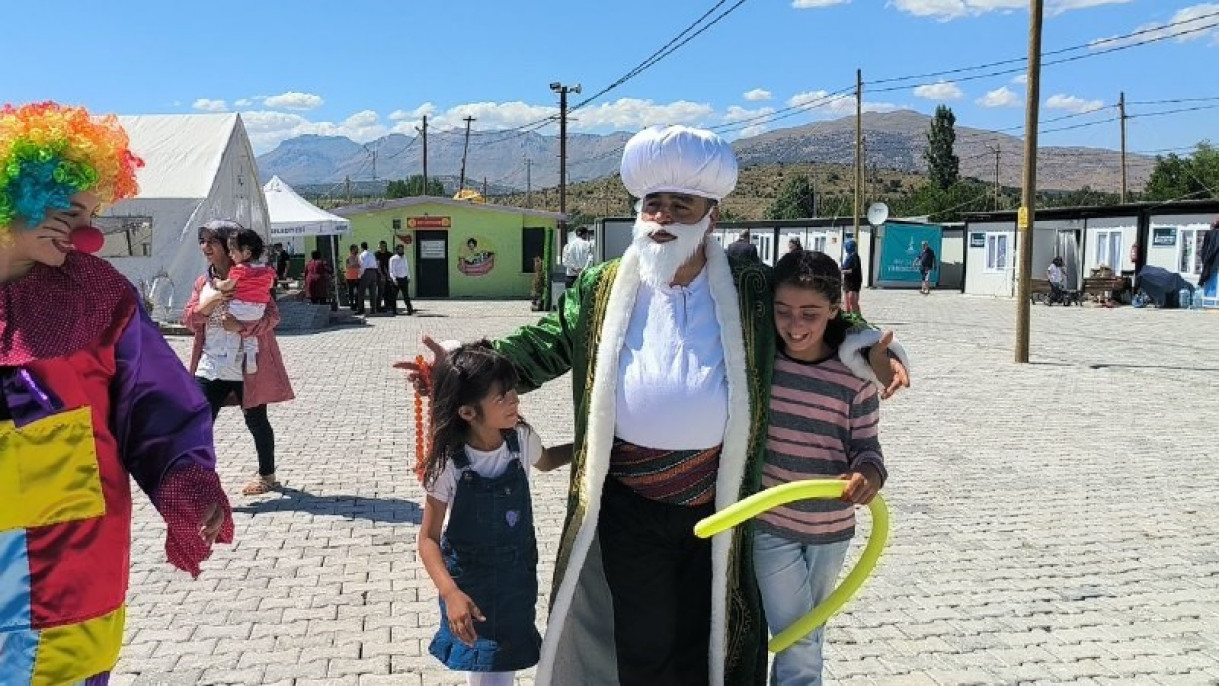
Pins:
x: 386, y: 510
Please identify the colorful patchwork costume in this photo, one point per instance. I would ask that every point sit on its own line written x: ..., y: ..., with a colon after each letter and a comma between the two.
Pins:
x: 90, y: 393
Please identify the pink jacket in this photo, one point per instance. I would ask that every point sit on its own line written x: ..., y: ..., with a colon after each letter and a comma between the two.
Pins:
x: 270, y: 383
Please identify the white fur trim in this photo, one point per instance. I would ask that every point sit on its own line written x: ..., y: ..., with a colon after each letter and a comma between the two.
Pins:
x: 599, y: 439
x: 450, y: 345
x: 735, y: 451
x: 851, y: 354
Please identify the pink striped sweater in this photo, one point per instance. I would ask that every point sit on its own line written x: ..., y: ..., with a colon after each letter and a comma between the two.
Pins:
x: 824, y: 422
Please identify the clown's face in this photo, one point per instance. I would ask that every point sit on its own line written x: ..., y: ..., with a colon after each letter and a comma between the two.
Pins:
x: 50, y: 242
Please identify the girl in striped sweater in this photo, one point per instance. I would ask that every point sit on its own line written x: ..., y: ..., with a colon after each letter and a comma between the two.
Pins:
x: 823, y: 425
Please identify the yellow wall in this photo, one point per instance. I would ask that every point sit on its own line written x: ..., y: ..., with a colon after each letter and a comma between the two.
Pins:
x: 498, y: 232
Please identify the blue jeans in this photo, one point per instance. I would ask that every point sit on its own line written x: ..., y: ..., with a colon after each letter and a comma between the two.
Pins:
x: 794, y: 578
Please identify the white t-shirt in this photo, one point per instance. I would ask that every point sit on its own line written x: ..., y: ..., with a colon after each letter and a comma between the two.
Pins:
x: 398, y: 267
x: 489, y: 464
x: 1056, y: 275
x: 672, y: 383
x: 216, y: 362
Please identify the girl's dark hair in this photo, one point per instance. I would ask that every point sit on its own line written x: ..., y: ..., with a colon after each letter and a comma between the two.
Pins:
x: 467, y: 376
x: 248, y: 239
x: 818, y: 272
x: 315, y: 255
x: 219, y: 229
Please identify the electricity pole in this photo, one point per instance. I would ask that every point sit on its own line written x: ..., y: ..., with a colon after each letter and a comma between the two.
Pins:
x: 423, y: 132
x: 858, y: 147
x: 528, y: 183
x: 1121, y: 108
x: 997, y: 150
x: 1026, y: 219
x: 461, y: 185
x: 563, y: 91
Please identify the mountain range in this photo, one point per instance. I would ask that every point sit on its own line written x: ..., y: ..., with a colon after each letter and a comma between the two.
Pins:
x: 517, y: 160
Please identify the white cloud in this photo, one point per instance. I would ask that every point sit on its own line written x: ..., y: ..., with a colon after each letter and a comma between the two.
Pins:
x: 1072, y: 103
x: 736, y: 114
x: 943, y: 90
x: 813, y: 4
x: 293, y: 100
x: 947, y: 10
x: 426, y: 109
x: 833, y: 106
x: 244, y: 102
x: 624, y: 114
x: 1022, y: 80
x: 269, y: 128
x: 1000, y: 97
x: 758, y: 95
x: 1186, y: 19
x: 209, y: 105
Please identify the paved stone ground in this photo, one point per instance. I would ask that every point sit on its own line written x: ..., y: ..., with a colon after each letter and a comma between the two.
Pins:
x: 1053, y: 523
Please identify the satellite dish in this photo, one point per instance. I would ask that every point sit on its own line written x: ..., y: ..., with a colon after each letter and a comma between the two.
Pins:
x: 878, y: 212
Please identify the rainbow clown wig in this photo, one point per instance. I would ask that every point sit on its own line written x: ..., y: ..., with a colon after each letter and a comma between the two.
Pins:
x: 49, y: 152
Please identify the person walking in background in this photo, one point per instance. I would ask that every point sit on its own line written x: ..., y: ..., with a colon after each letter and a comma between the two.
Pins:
x: 852, y: 278
x: 370, y: 282
x: 926, y: 265
x: 317, y: 279
x: 400, y: 280
x: 794, y: 245
x: 743, y: 249
x: 351, y: 274
x: 577, y: 256
x: 387, y: 296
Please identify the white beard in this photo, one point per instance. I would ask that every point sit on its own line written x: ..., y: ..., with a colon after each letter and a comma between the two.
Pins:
x: 659, y: 262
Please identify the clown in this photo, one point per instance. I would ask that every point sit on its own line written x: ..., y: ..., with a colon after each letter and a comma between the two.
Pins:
x: 672, y: 350
x: 90, y: 395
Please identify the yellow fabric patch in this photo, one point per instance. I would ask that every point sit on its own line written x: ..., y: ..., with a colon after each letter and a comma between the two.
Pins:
x: 68, y: 654
x: 49, y: 472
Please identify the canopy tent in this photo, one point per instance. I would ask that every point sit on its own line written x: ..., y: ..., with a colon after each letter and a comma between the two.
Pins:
x: 292, y: 216
x: 198, y: 167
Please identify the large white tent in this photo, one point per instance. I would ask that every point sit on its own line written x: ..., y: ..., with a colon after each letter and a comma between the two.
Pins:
x: 198, y: 167
x: 293, y: 217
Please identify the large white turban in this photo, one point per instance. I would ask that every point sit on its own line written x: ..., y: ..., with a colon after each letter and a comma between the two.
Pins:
x: 678, y: 159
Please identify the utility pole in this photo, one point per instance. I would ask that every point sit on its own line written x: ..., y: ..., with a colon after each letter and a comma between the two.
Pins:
x: 347, y: 185
x: 528, y: 183
x: 484, y: 187
x: 461, y: 185
x: 1121, y: 109
x: 423, y: 132
x: 563, y: 91
x: 858, y: 147
x: 998, y: 189
x: 1026, y: 218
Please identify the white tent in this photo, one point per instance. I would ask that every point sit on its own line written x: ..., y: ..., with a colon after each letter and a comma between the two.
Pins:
x: 293, y: 217
x: 198, y: 167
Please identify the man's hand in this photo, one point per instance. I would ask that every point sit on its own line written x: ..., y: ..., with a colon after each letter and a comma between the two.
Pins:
x: 462, y: 614
x: 414, y: 373
x: 862, y: 485
x: 890, y: 372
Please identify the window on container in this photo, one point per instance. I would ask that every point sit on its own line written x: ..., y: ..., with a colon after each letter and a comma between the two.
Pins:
x: 533, y: 244
x: 1109, y: 249
x: 125, y: 236
x: 996, y: 252
x: 1190, y: 260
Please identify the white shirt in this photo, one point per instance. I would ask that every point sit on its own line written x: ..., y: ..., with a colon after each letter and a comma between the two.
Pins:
x: 1056, y: 275
x: 577, y: 256
x: 398, y: 267
x: 489, y: 464
x: 215, y: 363
x: 368, y: 261
x: 672, y: 384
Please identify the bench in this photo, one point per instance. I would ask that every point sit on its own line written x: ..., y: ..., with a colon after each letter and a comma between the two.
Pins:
x: 1104, y: 288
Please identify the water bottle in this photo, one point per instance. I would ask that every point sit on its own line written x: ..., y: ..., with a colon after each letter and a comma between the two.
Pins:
x: 1183, y: 298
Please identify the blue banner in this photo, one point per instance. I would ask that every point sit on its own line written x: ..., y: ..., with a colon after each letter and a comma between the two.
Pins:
x: 900, y: 250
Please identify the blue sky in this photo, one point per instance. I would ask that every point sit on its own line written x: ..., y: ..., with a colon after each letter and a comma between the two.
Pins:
x: 363, y: 68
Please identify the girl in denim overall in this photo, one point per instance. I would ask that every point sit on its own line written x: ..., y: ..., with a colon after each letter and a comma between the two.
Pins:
x: 484, y: 559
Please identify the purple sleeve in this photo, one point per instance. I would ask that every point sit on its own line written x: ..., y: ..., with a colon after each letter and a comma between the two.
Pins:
x: 161, y: 418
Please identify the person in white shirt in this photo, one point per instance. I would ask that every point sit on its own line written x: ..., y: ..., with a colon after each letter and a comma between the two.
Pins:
x: 399, y: 280
x: 1058, y: 279
x: 370, y: 281
x: 577, y: 255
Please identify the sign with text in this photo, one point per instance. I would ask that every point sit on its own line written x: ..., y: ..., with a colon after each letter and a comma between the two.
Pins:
x: 1166, y: 237
x: 432, y: 250
x: 429, y: 222
x: 901, y: 248
x: 977, y: 240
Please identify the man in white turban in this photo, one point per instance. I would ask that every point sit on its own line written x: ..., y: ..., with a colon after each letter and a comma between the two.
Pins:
x: 671, y: 350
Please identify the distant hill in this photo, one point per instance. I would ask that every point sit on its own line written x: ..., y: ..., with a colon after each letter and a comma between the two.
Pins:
x: 894, y: 141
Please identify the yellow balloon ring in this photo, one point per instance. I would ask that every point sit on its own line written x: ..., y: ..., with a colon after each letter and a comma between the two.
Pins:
x: 771, y: 498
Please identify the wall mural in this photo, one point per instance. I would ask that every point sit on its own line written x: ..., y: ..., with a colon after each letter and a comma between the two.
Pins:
x: 476, y: 256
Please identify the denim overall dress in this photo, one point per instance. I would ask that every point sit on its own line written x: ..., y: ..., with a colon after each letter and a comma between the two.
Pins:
x: 490, y: 551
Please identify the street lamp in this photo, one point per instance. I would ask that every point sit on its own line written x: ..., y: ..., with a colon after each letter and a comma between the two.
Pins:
x: 563, y: 91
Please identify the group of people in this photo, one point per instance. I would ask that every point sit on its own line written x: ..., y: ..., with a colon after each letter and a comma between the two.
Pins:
x: 378, y: 278
x: 698, y: 379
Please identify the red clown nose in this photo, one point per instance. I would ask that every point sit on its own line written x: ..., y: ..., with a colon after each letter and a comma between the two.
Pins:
x: 87, y: 239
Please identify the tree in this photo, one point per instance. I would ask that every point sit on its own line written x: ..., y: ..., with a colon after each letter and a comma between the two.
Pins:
x: 1192, y: 177
x: 943, y: 166
x: 413, y: 186
x: 796, y: 200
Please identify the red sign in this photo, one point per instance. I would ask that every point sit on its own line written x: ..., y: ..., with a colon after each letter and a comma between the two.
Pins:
x: 429, y: 222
